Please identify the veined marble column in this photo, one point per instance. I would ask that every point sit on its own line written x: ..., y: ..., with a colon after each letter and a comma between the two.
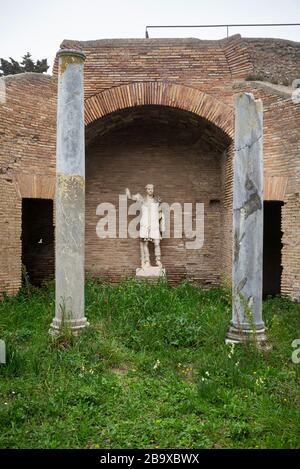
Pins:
x: 70, y: 195
x: 247, y: 323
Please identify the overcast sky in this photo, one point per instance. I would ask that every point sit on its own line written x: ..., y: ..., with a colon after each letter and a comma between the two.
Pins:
x: 39, y: 26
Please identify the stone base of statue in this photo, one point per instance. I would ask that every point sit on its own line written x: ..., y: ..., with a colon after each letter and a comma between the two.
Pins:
x: 151, y: 273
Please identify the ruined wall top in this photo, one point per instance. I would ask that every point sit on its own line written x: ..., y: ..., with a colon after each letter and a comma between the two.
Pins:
x: 112, y: 62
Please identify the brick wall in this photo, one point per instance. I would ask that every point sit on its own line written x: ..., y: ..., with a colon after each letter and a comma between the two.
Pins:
x: 198, y: 76
x: 162, y: 147
x: 27, y: 162
x: 10, y: 238
x: 114, y: 62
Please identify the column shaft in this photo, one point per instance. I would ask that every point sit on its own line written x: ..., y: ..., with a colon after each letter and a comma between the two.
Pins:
x: 70, y: 195
x: 247, y: 319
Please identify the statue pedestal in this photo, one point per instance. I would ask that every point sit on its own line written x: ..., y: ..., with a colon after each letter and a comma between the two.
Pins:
x: 151, y: 273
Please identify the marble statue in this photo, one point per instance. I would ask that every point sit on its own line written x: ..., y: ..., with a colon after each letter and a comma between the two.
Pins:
x: 152, y: 224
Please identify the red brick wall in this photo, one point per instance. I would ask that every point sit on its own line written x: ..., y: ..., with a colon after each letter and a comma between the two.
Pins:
x: 114, y: 62
x: 27, y: 162
x: 10, y: 238
x: 160, y: 148
x: 218, y: 68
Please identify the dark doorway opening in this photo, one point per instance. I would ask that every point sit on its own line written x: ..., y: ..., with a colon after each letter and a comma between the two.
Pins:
x: 272, y: 249
x: 38, y: 240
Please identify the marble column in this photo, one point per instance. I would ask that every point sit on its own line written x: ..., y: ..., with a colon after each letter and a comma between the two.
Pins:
x: 70, y: 195
x: 247, y: 323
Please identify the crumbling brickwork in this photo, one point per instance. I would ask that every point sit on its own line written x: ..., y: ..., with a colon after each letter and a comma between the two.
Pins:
x: 274, y: 60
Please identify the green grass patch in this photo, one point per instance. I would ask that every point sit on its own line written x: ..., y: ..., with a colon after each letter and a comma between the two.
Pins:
x: 152, y: 371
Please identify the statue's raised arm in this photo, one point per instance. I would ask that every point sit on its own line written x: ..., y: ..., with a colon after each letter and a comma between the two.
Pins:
x: 136, y: 197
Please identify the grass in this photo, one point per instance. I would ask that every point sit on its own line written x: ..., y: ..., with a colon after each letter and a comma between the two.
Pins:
x: 152, y: 371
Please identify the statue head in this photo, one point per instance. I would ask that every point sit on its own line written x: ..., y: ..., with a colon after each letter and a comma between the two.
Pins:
x: 149, y: 189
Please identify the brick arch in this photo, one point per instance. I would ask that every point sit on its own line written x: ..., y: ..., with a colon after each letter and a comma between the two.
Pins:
x: 162, y: 94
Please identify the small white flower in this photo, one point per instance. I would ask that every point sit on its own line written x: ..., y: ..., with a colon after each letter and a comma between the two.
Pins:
x: 156, y: 365
x: 207, y: 373
x: 5, y: 403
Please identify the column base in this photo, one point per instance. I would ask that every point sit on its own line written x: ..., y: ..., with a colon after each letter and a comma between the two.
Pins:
x: 242, y: 335
x: 75, y: 326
